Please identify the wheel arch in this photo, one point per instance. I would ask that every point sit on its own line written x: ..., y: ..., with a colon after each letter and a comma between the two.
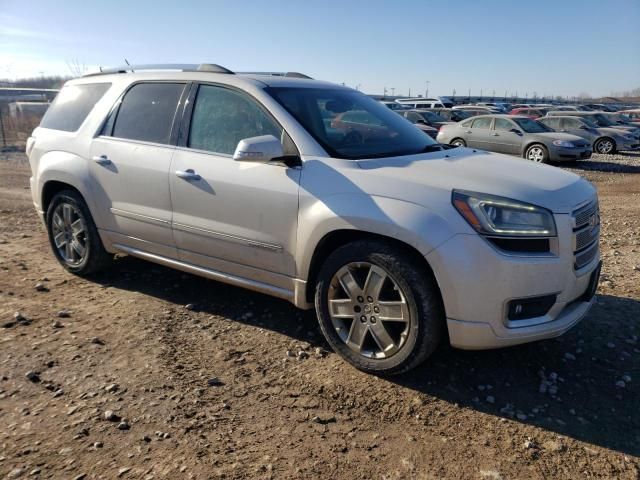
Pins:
x: 531, y: 144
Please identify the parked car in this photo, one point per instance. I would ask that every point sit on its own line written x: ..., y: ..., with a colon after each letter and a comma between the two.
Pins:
x: 501, y: 106
x: 394, y: 105
x: 516, y: 135
x: 421, y: 102
x: 633, y: 115
x: 603, y: 139
x: 425, y: 117
x: 601, y: 120
x: 395, y: 239
x: 475, y: 110
x: 529, y: 112
x: 451, y: 115
x: 565, y: 108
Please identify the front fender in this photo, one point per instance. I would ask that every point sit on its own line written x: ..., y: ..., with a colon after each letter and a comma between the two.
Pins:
x: 401, y: 220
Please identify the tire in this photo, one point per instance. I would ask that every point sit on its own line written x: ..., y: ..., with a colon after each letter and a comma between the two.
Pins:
x: 458, y: 142
x: 73, y: 235
x: 537, y: 153
x: 417, y: 301
x: 605, y: 145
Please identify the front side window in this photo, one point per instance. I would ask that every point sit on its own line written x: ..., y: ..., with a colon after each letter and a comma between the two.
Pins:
x: 571, y: 123
x: 360, y: 127
x: 222, y: 117
x: 551, y: 122
x: 601, y: 120
x: 147, y: 112
x: 72, y: 106
x: 484, y: 122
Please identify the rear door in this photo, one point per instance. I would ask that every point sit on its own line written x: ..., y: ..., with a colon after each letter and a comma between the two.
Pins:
x: 480, y: 133
x: 504, y: 140
x: 130, y: 167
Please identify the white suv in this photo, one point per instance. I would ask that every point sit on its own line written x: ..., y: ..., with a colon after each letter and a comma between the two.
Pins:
x: 320, y: 195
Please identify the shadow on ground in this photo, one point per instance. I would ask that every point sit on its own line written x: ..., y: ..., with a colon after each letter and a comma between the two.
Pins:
x: 579, y: 370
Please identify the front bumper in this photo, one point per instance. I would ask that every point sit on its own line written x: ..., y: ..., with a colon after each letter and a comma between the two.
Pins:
x: 629, y: 146
x: 559, y: 154
x: 477, y: 282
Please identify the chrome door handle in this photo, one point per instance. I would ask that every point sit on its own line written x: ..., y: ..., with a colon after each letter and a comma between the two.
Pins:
x: 495, y: 134
x: 102, y: 160
x: 188, y: 175
x: 467, y: 131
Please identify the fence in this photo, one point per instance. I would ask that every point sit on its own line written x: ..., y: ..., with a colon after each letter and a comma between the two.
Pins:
x: 15, y: 127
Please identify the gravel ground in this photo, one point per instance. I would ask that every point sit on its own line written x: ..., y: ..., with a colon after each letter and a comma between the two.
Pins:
x: 145, y: 372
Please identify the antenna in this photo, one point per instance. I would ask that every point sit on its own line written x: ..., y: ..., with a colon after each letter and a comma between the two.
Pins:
x: 128, y: 64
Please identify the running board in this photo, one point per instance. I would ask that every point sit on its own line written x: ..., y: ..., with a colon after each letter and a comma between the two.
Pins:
x: 207, y: 273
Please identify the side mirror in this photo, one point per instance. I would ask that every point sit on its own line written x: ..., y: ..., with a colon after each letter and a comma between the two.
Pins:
x: 516, y: 131
x: 260, y: 149
x: 584, y: 127
x: 422, y: 122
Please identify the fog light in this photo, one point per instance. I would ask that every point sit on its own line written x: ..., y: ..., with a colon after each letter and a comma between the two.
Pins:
x: 525, y: 308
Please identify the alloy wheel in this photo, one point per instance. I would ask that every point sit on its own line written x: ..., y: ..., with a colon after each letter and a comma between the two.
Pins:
x: 368, y: 310
x: 536, y: 154
x: 605, y: 146
x: 69, y: 234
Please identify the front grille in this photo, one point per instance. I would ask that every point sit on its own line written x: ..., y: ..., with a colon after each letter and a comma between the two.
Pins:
x: 586, y: 234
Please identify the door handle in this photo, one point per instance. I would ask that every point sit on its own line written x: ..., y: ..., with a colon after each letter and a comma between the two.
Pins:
x: 467, y: 131
x: 102, y: 160
x: 188, y: 175
x: 495, y: 134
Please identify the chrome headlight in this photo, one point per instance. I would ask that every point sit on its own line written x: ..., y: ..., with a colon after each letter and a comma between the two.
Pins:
x: 563, y: 143
x: 499, y: 216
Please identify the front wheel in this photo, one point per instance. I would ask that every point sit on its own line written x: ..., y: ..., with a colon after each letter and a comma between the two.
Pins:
x: 605, y: 145
x: 73, y: 234
x: 377, y: 308
x: 458, y: 142
x: 537, y: 153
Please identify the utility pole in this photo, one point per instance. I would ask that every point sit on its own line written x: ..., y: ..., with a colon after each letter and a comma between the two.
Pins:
x: 409, y: 92
x: 384, y: 93
x: 393, y: 91
x: 426, y: 94
x: 493, y: 98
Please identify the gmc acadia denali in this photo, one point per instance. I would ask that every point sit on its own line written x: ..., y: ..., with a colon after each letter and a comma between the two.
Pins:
x: 317, y: 194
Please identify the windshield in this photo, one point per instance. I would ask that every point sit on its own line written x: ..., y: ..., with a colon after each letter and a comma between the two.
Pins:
x: 459, y: 115
x: 531, y: 126
x: 589, y: 122
x: 432, y: 117
x: 601, y: 120
x: 349, y: 124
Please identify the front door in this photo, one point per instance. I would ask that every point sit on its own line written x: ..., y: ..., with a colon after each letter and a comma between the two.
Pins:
x: 234, y: 217
x: 479, y: 135
x: 129, y: 168
x: 504, y: 138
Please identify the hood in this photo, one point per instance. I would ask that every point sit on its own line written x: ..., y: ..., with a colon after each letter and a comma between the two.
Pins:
x: 430, y: 177
x: 613, y: 131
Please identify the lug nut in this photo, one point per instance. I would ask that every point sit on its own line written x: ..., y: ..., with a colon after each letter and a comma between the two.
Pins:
x: 369, y: 299
x: 360, y: 299
x: 376, y: 309
x: 373, y: 319
x: 363, y: 319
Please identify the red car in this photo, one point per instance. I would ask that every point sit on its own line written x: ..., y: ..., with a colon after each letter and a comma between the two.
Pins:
x: 532, y: 113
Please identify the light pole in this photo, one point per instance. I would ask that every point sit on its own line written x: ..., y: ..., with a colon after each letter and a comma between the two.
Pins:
x: 393, y: 91
x: 426, y: 94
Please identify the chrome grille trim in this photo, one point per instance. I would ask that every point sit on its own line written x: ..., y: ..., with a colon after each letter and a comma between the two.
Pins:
x: 586, y: 234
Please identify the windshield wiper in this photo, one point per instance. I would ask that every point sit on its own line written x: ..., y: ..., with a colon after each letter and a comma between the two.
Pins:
x: 436, y: 147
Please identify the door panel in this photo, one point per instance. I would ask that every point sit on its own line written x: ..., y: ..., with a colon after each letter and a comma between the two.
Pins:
x: 235, y: 213
x: 132, y: 189
x: 479, y: 135
x: 503, y: 139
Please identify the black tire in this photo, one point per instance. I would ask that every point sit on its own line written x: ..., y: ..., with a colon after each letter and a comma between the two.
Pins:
x: 95, y: 258
x: 538, y: 151
x: 602, y: 146
x: 458, y: 142
x: 427, y: 325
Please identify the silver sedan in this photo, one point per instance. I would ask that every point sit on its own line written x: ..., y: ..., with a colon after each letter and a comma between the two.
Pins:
x: 515, y: 135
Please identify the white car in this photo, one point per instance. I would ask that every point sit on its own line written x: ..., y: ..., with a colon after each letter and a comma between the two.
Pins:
x: 319, y: 195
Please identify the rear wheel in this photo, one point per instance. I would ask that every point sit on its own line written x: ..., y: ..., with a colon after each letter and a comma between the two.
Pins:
x: 458, y: 142
x: 73, y: 234
x: 377, y: 309
x: 537, y: 153
x: 605, y: 145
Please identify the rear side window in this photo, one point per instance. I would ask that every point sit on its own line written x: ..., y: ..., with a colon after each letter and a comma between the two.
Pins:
x: 147, y: 112
x: 503, y: 124
x: 72, y: 106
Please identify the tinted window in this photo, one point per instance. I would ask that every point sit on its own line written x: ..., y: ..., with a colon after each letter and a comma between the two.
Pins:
x: 385, y: 133
x: 482, y: 122
x: 222, y: 117
x: 531, y: 126
x: 72, y: 105
x: 569, y: 123
x: 503, y: 124
x: 147, y: 112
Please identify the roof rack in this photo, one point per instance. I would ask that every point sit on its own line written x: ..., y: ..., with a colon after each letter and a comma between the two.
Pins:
x: 183, y: 67
x: 279, y: 74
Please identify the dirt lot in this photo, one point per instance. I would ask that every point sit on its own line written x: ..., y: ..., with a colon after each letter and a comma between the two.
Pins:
x: 144, y: 342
